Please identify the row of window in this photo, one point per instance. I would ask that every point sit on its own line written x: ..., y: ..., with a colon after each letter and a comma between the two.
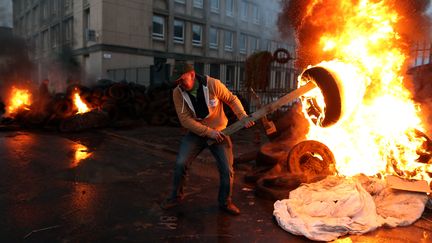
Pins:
x: 31, y: 20
x: 54, y: 36
x: 197, y: 35
x: 244, y: 8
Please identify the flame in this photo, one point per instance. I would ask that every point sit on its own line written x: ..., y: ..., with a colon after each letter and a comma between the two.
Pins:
x: 79, y: 104
x: 376, y: 131
x: 19, y: 99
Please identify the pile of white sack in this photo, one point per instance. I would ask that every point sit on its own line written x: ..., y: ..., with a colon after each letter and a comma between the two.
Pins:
x: 337, y: 206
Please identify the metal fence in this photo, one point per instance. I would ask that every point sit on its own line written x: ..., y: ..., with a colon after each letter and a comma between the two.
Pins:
x: 139, y: 75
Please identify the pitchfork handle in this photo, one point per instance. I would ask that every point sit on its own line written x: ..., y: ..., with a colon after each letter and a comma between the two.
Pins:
x: 267, y: 109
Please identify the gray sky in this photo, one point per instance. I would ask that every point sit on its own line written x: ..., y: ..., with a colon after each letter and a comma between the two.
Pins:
x: 6, y: 13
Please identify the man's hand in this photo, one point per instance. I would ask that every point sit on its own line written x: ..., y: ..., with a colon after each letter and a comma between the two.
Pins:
x: 217, y: 135
x: 249, y: 123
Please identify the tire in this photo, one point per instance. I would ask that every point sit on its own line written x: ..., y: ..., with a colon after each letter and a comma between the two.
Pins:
x: 260, y: 172
x: 271, y: 154
x: 277, y: 57
x: 425, y: 152
x: 265, y: 190
x: 332, y: 97
x: 303, y: 159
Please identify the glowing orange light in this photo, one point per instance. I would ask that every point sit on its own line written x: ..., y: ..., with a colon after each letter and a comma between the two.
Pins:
x: 375, y: 133
x: 81, y: 153
x: 79, y: 104
x: 19, y: 99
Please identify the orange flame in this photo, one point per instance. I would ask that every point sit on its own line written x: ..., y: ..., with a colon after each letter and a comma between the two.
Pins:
x: 375, y: 134
x: 79, y: 104
x: 19, y: 99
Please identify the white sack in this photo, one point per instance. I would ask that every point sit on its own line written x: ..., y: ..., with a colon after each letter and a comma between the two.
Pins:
x: 337, y: 206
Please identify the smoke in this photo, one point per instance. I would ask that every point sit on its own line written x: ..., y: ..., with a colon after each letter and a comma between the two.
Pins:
x: 15, y: 64
x: 6, y: 13
x: 309, y: 26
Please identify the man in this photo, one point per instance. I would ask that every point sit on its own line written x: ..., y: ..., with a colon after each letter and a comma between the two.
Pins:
x: 198, y: 103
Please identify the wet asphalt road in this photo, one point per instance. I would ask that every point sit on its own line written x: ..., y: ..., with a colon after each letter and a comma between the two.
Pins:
x: 106, y: 186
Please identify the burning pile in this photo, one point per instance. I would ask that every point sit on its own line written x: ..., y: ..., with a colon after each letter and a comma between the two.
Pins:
x: 80, y: 107
x: 373, y: 127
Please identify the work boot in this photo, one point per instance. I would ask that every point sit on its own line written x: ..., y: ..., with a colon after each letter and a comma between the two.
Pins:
x: 230, y: 208
x: 170, y: 203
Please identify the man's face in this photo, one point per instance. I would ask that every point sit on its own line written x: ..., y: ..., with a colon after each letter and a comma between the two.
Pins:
x: 187, y: 80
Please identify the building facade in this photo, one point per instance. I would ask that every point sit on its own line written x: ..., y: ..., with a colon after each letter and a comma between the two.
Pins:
x: 140, y: 40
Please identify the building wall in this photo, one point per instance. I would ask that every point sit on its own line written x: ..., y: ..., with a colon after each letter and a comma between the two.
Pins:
x: 107, y: 35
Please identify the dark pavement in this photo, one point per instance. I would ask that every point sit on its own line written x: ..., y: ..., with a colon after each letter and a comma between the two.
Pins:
x: 106, y: 186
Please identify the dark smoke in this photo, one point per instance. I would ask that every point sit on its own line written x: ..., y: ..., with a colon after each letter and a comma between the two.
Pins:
x: 413, y: 27
x: 15, y: 65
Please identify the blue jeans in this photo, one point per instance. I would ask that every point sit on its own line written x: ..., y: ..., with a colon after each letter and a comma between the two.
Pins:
x: 191, y: 146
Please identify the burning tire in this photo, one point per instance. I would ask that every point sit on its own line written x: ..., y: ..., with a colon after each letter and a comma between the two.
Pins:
x: 63, y: 108
x: 425, y: 152
x: 80, y: 122
x: 331, y: 113
x: 312, y: 158
x: 260, y: 172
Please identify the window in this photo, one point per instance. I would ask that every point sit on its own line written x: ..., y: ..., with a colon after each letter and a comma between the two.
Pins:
x: 199, y: 67
x: 28, y: 19
x: 67, y: 4
x: 214, y: 36
x: 255, y: 14
x: 180, y: 1
x: 45, y: 39
x: 55, y: 36
x: 45, y: 10
x: 229, y: 7
x: 158, y: 27
x: 36, y: 43
x: 196, y: 34
x: 228, y: 40
x: 198, y: 3
x: 229, y: 78
x: 86, y: 19
x: 254, y: 44
x: 35, y: 17
x: 215, y: 70
x: 243, y: 10
x: 178, y: 31
x: 214, y: 6
x: 68, y: 30
x: 55, y: 7
x: 242, y: 43
x: 422, y: 53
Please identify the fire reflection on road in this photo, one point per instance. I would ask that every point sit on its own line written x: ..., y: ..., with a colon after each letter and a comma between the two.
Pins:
x: 81, y: 152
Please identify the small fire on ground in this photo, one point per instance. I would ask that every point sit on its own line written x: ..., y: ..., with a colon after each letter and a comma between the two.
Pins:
x: 19, y: 99
x: 79, y: 103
